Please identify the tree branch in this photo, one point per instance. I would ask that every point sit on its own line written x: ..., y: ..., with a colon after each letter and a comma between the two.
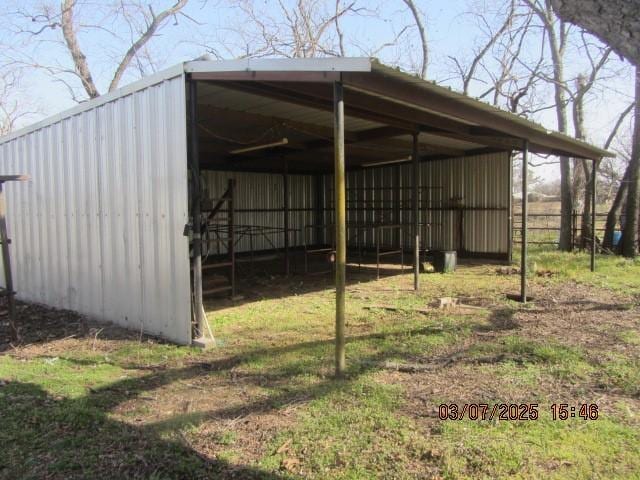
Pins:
x: 152, y: 27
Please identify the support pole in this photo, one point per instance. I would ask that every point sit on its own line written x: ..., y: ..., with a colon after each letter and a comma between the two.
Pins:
x: 594, y: 175
x: 416, y: 214
x: 340, y: 227
x: 6, y: 261
x: 510, y: 238
x: 285, y: 178
x: 525, y: 207
x: 194, y: 165
x: 6, y: 258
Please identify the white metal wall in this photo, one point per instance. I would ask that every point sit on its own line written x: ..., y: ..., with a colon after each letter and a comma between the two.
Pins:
x: 259, y: 200
x: 481, y: 183
x: 99, y: 228
x: 478, y: 184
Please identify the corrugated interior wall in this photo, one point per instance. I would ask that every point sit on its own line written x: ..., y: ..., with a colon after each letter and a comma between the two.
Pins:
x: 467, y: 195
x: 464, y: 203
x: 259, y: 201
x: 99, y: 228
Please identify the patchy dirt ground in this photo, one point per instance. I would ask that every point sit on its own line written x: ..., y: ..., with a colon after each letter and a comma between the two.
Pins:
x: 263, y: 404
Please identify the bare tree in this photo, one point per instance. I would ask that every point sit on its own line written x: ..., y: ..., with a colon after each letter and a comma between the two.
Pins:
x: 13, y: 107
x: 557, y: 33
x: 584, y: 83
x: 139, y: 18
x: 417, y: 17
x: 307, y: 30
x: 630, y: 228
x: 617, y: 182
x: 614, y: 22
x: 468, y: 73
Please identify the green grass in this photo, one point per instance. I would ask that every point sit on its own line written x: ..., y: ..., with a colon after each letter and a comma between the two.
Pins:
x: 541, y: 449
x: 613, y: 272
x: 351, y: 433
x: 119, y: 412
x: 622, y: 373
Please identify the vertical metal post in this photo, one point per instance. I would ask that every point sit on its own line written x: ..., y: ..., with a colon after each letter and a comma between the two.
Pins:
x: 285, y: 178
x: 340, y: 225
x: 6, y: 261
x: 318, y: 212
x: 231, y: 248
x: 194, y: 165
x: 416, y: 214
x: 377, y: 234
x: 397, y: 192
x: 510, y: 238
x: 525, y: 207
x: 594, y: 175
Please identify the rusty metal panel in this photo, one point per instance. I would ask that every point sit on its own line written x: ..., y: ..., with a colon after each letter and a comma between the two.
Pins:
x: 99, y: 228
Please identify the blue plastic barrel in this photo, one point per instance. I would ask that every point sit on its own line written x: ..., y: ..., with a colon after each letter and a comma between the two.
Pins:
x: 617, y: 236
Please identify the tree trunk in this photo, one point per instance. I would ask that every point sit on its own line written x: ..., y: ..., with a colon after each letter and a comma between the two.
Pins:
x: 585, y: 218
x: 630, y: 231
x: 614, y: 213
x: 578, y: 123
x: 557, y: 43
x: 615, y: 22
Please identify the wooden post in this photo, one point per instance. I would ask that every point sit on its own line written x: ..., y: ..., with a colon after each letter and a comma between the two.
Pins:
x: 525, y: 206
x: 594, y: 174
x: 194, y: 165
x: 285, y: 211
x: 416, y: 214
x: 340, y: 225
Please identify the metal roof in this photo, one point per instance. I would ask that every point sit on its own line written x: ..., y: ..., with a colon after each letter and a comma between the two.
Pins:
x: 296, y: 94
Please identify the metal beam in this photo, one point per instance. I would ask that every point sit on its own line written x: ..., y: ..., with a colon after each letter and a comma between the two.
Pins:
x: 285, y: 211
x: 510, y: 219
x: 458, y: 106
x: 194, y: 165
x: 594, y: 175
x: 525, y: 207
x: 257, y: 76
x: 376, y: 109
x: 340, y: 224
x: 416, y: 213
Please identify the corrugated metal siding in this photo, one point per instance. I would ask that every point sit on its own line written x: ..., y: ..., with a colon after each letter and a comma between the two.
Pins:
x: 264, y: 194
x: 480, y: 184
x: 99, y: 228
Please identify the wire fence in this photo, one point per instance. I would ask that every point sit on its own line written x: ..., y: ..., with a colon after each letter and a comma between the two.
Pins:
x: 544, y: 228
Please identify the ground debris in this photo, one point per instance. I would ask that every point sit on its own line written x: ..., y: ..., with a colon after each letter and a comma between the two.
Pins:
x: 392, y: 308
x: 507, y: 270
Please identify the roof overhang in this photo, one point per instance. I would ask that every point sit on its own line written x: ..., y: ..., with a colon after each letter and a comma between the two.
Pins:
x: 384, y: 108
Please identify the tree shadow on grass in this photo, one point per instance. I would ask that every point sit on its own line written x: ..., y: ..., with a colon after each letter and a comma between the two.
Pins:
x: 54, y: 437
x: 48, y: 437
